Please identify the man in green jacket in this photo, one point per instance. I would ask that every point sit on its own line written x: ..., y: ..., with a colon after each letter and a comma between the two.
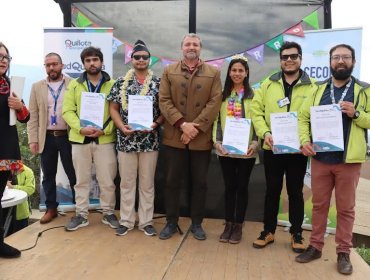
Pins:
x: 283, y: 92
x: 339, y: 170
x: 91, y: 143
x: 24, y: 181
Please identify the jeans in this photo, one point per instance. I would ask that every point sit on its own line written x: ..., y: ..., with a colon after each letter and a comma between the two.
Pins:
x: 55, y: 145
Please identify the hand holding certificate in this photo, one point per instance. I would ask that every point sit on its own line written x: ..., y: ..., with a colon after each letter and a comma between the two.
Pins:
x: 236, y: 135
x: 92, y: 109
x: 326, y: 126
x: 284, y: 128
x: 140, y: 112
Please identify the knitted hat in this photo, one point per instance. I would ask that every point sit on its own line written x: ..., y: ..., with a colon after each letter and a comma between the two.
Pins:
x: 139, y: 46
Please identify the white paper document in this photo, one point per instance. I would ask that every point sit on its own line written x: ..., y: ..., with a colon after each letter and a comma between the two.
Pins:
x: 92, y: 109
x: 327, y: 128
x: 16, y: 86
x: 284, y: 129
x: 236, y: 135
x: 140, y: 112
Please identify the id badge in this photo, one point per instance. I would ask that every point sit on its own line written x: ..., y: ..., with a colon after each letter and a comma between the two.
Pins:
x: 283, y: 102
x: 53, y: 120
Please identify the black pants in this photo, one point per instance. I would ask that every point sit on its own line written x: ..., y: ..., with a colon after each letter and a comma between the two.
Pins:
x: 4, y: 177
x: 186, y: 165
x: 55, y: 145
x: 294, y: 168
x: 236, y: 173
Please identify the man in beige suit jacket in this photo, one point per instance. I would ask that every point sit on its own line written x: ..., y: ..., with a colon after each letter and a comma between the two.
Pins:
x: 47, y: 131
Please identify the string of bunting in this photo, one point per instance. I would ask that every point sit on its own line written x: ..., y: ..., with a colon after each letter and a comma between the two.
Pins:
x: 257, y: 52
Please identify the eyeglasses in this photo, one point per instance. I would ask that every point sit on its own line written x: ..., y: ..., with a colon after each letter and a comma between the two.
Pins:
x: 54, y: 64
x: 5, y: 57
x: 293, y: 56
x: 144, y: 57
x: 345, y: 58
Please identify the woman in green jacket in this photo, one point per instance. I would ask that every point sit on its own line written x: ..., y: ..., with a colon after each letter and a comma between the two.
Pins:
x: 24, y: 181
x: 236, y: 169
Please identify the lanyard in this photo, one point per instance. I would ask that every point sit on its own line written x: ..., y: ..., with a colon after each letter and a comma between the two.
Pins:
x: 343, y: 94
x: 97, y: 86
x: 55, y: 96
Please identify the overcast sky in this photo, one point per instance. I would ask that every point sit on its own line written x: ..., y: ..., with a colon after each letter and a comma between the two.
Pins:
x: 26, y: 19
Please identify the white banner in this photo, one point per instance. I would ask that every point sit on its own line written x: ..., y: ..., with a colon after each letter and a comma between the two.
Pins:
x: 316, y: 45
x: 69, y: 43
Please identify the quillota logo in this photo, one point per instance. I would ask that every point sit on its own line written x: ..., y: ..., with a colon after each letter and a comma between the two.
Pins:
x: 78, y: 44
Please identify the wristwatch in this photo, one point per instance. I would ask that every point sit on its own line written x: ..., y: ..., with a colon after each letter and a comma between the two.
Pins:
x: 356, y: 114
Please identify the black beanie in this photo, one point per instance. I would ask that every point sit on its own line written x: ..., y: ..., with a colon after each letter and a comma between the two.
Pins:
x: 139, y: 46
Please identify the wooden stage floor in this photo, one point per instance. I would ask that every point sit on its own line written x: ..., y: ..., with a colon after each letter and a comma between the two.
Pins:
x: 95, y: 252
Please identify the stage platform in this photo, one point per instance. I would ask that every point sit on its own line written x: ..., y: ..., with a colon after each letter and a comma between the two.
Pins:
x: 95, y: 252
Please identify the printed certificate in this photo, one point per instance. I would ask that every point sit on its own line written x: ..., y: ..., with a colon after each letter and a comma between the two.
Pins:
x: 284, y: 128
x: 92, y: 109
x: 16, y: 86
x: 140, y: 112
x: 327, y: 128
x: 236, y: 135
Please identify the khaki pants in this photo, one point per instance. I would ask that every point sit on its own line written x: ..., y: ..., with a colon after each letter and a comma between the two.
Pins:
x: 130, y: 165
x: 105, y: 160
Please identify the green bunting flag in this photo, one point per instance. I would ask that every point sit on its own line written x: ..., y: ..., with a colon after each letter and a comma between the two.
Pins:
x: 312, y: 19
x: 276, y: 43
x: 82, y: 21
x: 153, y: 60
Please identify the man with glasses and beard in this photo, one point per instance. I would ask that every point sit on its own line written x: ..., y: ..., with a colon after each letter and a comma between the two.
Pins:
x: 282, y: 92
x: 91, y: 144
x: 337, y: 170
x: 47, y: 131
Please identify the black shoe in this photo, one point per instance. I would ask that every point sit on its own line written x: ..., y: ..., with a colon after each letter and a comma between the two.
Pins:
x: 168, y: 231
x: 310, y: 254
x: 8, y: 252
x: 198, y: 232
x: 344, y: 265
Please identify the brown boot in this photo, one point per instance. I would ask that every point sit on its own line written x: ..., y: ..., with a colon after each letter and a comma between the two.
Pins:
x: 49, y: 216
x: 225, y: 236
x: 236, y: 234
x: 344, y: 264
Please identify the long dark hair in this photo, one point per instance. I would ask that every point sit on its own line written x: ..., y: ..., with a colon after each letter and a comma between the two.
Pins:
x: 7, y: 70
x: 228, y: 87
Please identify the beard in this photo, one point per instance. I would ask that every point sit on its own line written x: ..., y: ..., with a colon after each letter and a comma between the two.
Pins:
x: 54, y: 76
x: 342, y: 74
x: 290, y: 72
x: 93, y: 71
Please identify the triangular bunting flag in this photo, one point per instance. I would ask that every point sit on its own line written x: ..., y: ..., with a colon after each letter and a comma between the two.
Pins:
x: 153, y: 60
x: 257, y: 53
x: 296, y: 30
x: 82, y: 20
x: 216, y: 63
x: 166, y: 62
x: 276, y: 43
x: 312, y: 19
x: 128, y: 51
x: 115, y: 44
